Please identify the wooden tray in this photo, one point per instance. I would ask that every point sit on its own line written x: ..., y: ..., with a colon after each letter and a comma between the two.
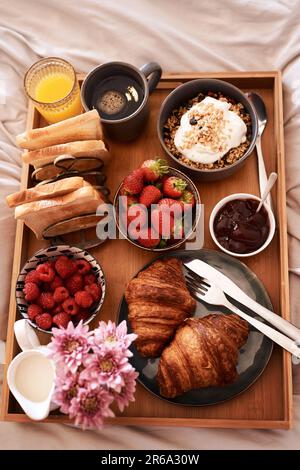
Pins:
x: 268, y: 403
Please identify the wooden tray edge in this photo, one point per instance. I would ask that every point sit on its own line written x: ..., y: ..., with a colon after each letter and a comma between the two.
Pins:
x: 173, y: 422
x: 15, y: 271
x: 286, y: 423
x: 188, y: 75
x: 283, y: 240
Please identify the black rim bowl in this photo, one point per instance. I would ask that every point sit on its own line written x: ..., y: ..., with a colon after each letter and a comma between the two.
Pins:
x: 52, y: 252
x: 189, y: 90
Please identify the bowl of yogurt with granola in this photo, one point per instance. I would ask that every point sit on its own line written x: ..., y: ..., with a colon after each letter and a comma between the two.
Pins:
x: 209, y: 127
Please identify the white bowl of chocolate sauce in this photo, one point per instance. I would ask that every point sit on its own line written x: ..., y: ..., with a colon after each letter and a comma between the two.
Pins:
x: 237, y: 229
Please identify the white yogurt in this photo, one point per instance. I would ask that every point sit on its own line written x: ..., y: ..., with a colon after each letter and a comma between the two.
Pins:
x: 229, y: 132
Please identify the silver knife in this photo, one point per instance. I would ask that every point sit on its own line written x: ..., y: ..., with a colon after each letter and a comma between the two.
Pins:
x: 229, y: 287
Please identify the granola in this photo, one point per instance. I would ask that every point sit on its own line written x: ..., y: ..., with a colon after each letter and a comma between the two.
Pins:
x: 210, y: 131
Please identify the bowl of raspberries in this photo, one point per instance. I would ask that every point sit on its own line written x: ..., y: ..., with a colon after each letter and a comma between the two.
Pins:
x: 60, y: 284
x: 157, y: 207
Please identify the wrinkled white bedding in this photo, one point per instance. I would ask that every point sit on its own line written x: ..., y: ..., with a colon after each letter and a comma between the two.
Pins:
x: 183, y: 35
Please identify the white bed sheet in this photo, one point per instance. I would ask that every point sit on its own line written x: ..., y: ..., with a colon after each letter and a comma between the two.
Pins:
x: 181, y: 35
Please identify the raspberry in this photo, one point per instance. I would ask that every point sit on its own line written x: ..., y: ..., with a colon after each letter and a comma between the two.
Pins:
x: 83, y: 315
x: 44, y: 321
x: 94, y: 290
x: 64, y: 266
x: 34, y: 310
x: 74, y: 283
x: 45, y: 287
x: 89, y: 279
x: 31, y: 291
x: 83, y: 299
x: 45, y: 272
x: 46, y: 300
x: 70, y: 306
x: 83, y: 267
x: 61, y: 319
x: 56, y: 310
x: 60, y: 295
x: 32, y: 276
x: 57, y: 282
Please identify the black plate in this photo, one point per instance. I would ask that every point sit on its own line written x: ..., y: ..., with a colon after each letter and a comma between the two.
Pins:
x: 254, y: 355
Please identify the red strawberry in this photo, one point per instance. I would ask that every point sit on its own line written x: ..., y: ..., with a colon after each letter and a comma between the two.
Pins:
x: 163, y: 222
x: 150, y: 195
x: 83, y: 266
x: 60, y: 295
x: 188, y: 200
x: 154, y: 169
x: 128, y: 201
x: 173, y: 204
x: 75, y: 282
x: 31, y: 291
x: 70, y: 306
x: 123, y: 191
x: 137, y: 213
x: 45, y: 272
x: 174, y: 186
x: 89, y: 279
x: 61, y: 319
x: 83, y: 299
x: 32, y: 276
x: 34, y: 310
x: 44, y: 321
x: 64, y: 266
x: 148, y: 238
x: 164, y: 178
x: 133, y: 183
x: 94, y: 290
x: 57, y: 282
x: 46, y: 300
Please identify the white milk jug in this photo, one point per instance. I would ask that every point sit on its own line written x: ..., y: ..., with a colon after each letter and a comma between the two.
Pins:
x: 31, y: 374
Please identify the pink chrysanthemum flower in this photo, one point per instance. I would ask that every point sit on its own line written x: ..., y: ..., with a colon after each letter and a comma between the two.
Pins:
x: 90, y: 407
x: 105, y: 368
x: 111, y: 337
x: 69, y: 345
x: 126, y: 395
x: 66, y: 388
x: 92, y: 370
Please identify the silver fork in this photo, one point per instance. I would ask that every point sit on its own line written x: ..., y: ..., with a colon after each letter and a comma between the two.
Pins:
x: 206, y: 291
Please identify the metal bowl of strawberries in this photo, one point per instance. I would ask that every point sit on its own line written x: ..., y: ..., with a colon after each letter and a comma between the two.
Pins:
x: 60, y: 284
x: 157, y: 207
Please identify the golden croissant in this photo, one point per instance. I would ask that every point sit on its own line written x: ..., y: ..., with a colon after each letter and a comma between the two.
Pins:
x: 203, y: 353
x: 158, y: 302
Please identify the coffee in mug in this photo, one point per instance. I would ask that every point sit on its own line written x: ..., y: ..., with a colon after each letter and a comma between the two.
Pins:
x: 120, y: 93
x: 117, y: 97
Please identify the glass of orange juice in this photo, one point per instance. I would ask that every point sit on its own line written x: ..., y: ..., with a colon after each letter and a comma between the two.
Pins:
x: 52, y: 85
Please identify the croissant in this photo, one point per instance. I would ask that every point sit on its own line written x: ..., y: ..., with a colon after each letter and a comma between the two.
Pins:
x: 158, y: 302
x: 204, y: 353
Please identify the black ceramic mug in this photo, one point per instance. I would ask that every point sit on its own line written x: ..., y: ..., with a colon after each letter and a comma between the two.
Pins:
x: 120, y: 93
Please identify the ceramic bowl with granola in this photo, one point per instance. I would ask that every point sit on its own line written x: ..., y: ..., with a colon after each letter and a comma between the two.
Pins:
x: 209, y: 127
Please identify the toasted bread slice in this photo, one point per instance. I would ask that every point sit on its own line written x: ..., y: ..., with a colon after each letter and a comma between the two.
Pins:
x: 40, y: 215
x: 45, y: 191
x: 86, y: 148
x: 85, y: 126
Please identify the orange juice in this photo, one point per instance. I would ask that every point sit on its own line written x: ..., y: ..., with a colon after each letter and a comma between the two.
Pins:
x: 54, y: 87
